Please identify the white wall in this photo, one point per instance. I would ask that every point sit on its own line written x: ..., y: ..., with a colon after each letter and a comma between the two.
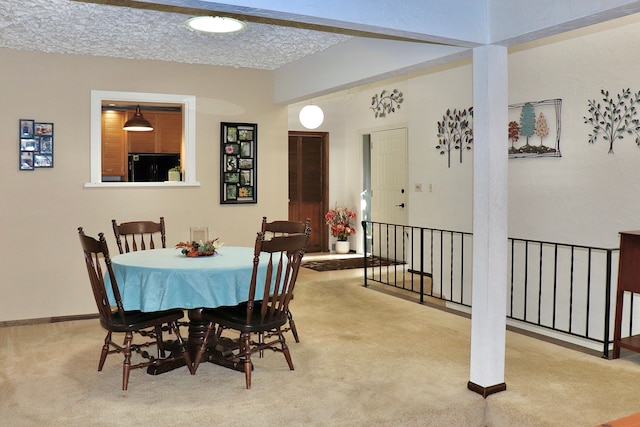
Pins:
x: 587, y: 196
x: 584, y: 197
x: 446, y: 199
x: 43, y: 272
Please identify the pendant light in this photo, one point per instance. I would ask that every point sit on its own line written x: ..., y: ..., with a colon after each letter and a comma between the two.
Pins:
x: 311, y: 116
x: 138, y: 123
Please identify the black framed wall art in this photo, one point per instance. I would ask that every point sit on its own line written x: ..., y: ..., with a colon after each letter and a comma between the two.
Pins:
x: 36, y: 145
x: 238, y: 163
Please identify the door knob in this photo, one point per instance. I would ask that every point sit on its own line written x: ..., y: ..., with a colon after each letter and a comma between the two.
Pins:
x: 401, y: 205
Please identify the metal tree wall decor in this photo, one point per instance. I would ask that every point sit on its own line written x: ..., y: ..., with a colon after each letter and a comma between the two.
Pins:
x: 455, y: 132
x: 614, y: 118
x: 533, y: 130
x: 386, y: 102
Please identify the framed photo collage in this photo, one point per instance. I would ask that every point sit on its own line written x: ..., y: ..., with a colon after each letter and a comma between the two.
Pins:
x: 36, y: 145
x: 238, y: 144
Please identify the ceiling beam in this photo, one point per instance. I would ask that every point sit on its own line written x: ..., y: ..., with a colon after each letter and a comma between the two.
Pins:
x: 356, y: 62
x: 422, y: 21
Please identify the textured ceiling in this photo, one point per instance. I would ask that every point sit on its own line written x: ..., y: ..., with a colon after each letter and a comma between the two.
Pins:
x: 315, y: 47
x: 72, y: 27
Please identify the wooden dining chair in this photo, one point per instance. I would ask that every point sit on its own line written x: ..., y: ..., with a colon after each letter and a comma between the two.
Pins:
x: 138, y: 234
x: 117, y: 320
x: 264, y: 313
x: 280, y: 228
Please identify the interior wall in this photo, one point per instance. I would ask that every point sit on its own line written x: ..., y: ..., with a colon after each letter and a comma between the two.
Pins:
x: 43, y: 272
x: 446, y: 199
x: 585, y: 197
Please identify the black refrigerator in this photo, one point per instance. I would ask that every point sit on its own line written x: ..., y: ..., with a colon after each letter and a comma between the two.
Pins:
x: 150, y: 167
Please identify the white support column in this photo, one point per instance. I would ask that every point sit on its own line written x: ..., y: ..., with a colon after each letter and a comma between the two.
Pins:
x: 490, y: 203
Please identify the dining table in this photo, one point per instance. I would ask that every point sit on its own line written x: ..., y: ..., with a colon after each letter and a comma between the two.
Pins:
x: 162, y: 279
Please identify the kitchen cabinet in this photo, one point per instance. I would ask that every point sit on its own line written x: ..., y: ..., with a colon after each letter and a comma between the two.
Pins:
x: 166, y: 136
x: 114, y: 149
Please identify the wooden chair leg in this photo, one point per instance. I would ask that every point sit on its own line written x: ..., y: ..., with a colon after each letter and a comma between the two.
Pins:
x: 260, y: 342
x: 183, y: 348
x: 245, y: 350
x: 105, y: 351
x: 292, y: 326
x: 126, y: 366
x: 160, y: 342
x: 203, y: 347
x: 285, y: 350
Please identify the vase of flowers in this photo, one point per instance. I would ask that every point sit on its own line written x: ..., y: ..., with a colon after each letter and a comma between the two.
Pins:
x: 198, y: 249
x: 339, y: 221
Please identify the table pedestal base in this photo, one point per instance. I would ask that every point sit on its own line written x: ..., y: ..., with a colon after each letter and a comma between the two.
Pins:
x: 216, y: 353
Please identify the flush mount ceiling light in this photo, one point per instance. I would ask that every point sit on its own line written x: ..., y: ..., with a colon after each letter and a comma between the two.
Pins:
x: 215, y: 24
x: 138, y: 123
x: 311, y: 116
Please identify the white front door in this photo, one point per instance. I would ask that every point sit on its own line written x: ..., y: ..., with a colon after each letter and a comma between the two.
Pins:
x: 389, y: 180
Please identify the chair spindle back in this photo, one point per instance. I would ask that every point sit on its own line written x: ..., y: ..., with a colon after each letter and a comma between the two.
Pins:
x: 284, y: 257
x: 96, y: 252
x: 138, y: 234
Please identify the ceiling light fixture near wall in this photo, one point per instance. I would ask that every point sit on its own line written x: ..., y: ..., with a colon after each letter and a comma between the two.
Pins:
x: 311, y: 116
x: 215, y: 24
x: 138, y: 123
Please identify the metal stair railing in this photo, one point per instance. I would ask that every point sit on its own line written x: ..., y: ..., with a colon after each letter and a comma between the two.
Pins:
x: 560, y: 290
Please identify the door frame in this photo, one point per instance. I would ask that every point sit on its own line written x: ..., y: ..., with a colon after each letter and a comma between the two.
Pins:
x: 324, y: 136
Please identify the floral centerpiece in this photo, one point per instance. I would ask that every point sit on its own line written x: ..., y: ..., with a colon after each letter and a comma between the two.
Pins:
x: 196, y: 249
x: 339, y: 221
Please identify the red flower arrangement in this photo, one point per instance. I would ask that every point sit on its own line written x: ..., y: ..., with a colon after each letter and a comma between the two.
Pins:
x: 339, y: 221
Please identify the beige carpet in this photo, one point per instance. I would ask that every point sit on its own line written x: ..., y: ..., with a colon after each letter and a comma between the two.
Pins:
x: 365, y: 359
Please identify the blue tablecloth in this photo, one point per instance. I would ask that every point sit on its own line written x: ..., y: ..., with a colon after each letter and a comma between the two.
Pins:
x: 160, y: 279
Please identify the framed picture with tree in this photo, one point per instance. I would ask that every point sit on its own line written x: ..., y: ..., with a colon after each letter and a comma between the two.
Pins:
x: 534, y: 129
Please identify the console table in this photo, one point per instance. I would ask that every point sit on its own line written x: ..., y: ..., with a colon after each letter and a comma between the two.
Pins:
x: 628, y: 281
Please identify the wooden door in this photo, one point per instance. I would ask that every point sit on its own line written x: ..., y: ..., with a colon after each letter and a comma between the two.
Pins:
x: 389, y: 187
x: 309, y: 184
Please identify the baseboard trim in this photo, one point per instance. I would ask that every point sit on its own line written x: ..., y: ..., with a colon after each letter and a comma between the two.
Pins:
x: 42, y: 320
x: 486, y: 391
